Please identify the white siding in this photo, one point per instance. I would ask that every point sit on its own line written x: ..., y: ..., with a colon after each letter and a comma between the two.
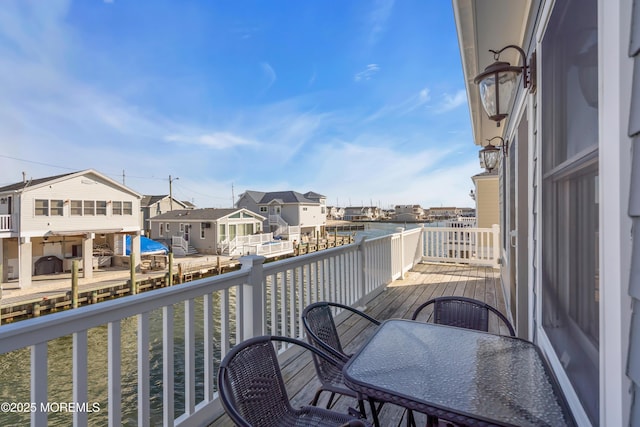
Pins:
x: 78, y: 188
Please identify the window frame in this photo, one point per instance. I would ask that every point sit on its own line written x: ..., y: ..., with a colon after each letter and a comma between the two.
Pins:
x: 41, y: 207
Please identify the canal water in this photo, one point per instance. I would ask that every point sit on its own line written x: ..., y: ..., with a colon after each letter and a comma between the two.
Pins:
x: 15, y: 366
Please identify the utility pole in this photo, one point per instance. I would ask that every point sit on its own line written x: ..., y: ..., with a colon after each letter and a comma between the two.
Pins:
x: 171, y: 192
x: 123, y: 177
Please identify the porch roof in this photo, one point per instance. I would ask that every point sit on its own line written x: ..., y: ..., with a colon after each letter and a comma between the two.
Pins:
x: 490, y: 24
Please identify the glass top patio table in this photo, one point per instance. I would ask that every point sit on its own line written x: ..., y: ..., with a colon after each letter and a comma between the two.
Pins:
x: 462, y: 375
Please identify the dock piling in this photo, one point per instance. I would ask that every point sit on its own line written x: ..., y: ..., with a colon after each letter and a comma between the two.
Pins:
x: 74, y: 283
x: 132, y: 267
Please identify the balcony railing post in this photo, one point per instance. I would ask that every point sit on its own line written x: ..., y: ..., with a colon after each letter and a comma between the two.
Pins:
x: 496, y: 244
x: 362, y: 271
x: 400, y: 230
x: 252, y: 302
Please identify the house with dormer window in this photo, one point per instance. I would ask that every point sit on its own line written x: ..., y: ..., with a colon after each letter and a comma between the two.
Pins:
x: 289, y: 213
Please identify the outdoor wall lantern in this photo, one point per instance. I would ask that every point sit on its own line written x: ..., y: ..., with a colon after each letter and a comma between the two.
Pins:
x: 490, y: 153
x: 498, y: 81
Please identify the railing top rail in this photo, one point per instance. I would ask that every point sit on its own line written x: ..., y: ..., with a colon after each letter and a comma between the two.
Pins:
x: 460, y: 229
x: 43, y: 329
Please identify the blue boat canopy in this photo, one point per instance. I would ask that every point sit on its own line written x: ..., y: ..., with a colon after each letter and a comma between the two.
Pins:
x: 148, y: 247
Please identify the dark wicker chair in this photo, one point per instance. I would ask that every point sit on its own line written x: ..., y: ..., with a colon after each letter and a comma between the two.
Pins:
x: 463, y: 312
x: 253, y: 393
x: 321, y: 331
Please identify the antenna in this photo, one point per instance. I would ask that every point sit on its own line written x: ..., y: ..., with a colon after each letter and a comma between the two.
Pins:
x: 233, y: 197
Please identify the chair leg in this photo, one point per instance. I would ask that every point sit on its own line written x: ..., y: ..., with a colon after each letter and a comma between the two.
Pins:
x: 374, y: 413
x: 314, y: 402
x: 330, y: 402
x: 363, y: 411
x: 411, y: 422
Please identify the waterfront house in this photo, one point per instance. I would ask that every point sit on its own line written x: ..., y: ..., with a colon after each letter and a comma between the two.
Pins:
x: 206, y: 230
x: 487, y: 201
x: 408, y: 213
x: 335, y: 213
x: 442, y: 213
x: 46, y: 223
x: 361, y: 213
x: 288, y: 213
x: 151, y: 206
x: 569, y: 168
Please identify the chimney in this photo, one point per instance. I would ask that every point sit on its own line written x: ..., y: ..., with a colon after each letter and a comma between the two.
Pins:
x: 24, y: 177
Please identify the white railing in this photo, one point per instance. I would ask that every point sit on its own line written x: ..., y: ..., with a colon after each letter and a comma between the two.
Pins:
x: 238, y: 245
x: 179, y: 245
x: 461, y: 222
x: 191, y: 326
x: 6, y: 223
x: 462, y: 244
x: 272, y: 249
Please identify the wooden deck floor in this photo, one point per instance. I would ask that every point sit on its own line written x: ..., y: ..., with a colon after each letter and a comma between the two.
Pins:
x: 424, y: 282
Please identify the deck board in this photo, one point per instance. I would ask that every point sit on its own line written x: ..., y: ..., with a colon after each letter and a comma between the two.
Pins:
x: 399, y: 300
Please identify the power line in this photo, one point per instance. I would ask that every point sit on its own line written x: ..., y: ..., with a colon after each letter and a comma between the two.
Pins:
x: 118, y: 174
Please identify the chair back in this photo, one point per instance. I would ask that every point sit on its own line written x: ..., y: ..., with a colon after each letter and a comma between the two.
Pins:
x: 463, y: 312
x: 318, y: 320
x: 322, y: 332
x: 250, y: 384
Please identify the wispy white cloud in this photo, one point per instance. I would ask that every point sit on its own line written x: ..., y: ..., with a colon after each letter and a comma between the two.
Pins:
x: 312, y: 79
x: 270, y: 73
x: 216, y: 140
x: 377, y: 19
x: 409, y: 105
x: 451, y: 102
x: 391, y: 175
x: 367, y: 73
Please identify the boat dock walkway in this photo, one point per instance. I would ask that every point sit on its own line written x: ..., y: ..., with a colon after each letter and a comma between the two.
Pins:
x: 51, y: 293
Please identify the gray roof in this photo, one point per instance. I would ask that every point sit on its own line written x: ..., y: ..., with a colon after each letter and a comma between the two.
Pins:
x: 285, y: 197
x: 21, y: 185
x: 150, y: 200
x: 204, y: 214
x: 34, y: 183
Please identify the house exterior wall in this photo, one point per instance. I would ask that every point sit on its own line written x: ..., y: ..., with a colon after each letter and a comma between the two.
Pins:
x: 311, y: 216
x: 158, y: 208
x: 83, y: 188
x: 248, y: 203
x: 206, y: 239
x: 487, y: 196
x: 614, y: 241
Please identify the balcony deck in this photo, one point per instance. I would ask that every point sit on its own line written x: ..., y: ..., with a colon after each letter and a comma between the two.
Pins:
x: 423, y: 282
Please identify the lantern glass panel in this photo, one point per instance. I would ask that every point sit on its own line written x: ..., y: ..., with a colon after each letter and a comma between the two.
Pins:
x: 491, y: 158
x: 507, y: 81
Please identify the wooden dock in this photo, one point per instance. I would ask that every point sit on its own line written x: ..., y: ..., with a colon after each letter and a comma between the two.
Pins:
x: 53, y: 293
x: 424, y: 282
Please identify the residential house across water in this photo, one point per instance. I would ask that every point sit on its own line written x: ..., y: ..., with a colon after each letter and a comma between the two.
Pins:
x: 288, y: 214
x: 205, y: 231
x: 47, y: 223
x: 151, y: 206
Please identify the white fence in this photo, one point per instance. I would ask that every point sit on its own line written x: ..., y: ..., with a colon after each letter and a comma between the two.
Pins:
x: 192, y: 326
x: 463, y: 245
x: 237, y: 245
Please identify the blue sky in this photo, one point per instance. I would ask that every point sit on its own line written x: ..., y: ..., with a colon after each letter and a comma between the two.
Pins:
x: 361, y: 100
